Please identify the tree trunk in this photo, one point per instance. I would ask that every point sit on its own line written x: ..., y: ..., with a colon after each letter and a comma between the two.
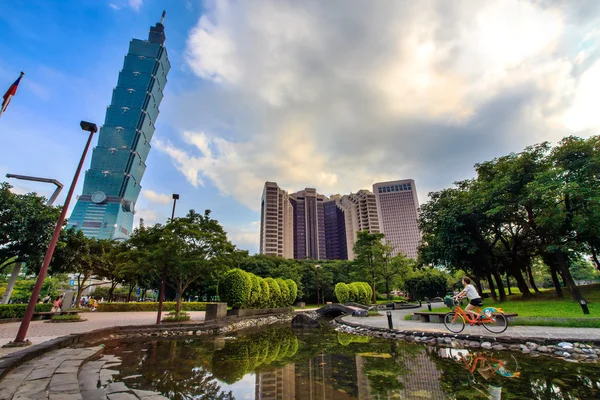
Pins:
x: 131, y: 287
x: 508, y: 283
x: 387, y: 288
x: 531, y: 280
x: 555, y: 281
x: 478, y: 284
x: 492, y: 287
x: 374, y: 299
x: 500, y: 284
x: 113, y: 285
x: 179, y: 305
x: 563, y: 265
x: 80, y: 288
x: 521, y: 283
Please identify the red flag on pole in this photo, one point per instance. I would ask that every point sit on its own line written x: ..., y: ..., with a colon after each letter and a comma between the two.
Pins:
x: 12, y: 90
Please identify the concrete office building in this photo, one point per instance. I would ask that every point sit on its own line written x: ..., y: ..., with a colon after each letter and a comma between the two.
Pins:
x: 112, y: 184
x: 307, y: 224
x: 397, y: 207
x: 276, y: 222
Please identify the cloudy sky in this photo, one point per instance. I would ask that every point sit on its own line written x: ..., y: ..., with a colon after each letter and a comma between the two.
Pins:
x: 335, y: 95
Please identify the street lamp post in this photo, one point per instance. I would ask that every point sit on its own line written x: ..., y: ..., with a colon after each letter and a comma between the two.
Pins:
x: 17, y: 267
x: 20, y: 339
x: 161, y: 295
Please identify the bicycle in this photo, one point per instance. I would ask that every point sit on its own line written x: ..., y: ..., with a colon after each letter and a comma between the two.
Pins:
x: 491, y: 318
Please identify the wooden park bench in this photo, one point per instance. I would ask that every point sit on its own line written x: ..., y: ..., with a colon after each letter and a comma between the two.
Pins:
x: 49, y: 314
x: 439, y: 316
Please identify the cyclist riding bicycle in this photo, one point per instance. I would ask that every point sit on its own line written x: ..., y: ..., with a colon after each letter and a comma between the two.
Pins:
x: 474, y: 297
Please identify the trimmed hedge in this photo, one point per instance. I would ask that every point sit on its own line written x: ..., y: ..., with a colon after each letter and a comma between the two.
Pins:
x: 358, y: 292
x: 149, y: 306
x: 293, y: 291
x: 8, y: 311
x: 255, y: 292
x: 235, y: 287
x: 342, y: 292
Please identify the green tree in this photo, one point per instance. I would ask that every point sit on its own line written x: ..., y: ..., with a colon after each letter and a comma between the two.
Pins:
x: 394, y: 270
x: 369, y: 251
x: 26, y: 225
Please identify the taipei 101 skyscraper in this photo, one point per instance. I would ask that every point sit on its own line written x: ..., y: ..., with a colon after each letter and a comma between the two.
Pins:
x: 112, y: 185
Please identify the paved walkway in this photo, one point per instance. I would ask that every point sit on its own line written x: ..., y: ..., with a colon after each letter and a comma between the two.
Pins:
x: 41, y: 331
x: 70, y: 374
x: 543, y: 332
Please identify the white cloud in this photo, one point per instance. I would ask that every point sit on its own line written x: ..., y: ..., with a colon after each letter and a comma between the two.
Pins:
x: 136, y: 4
x: 159, y: 198
x: 114, y: 6
x: 339, y: 95
x: 244, y: 236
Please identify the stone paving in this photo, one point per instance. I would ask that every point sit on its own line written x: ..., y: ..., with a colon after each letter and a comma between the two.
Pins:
x: 542, y: 332
x: 70, y: 374
x: 41, y: 331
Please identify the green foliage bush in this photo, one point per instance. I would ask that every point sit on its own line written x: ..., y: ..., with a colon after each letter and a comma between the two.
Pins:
x: 367, y: 293
x: 174, y: 317
x: 255, y: 293
x: 285, y: 293
x: 293, y: 291
x: 427, y: 283
x: 148, y: 306
x: 18, y: 310
x: 353, y: 288
x: 275, y: 292
x: 235, y: 287
x: 342, y: 292
x: 265, y: 294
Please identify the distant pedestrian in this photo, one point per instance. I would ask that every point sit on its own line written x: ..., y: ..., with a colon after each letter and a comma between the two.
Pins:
x: 56, y: 306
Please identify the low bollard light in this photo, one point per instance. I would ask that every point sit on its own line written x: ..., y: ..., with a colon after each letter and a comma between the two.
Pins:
x: 389, y: 317
x: 584, y: 307
x: 429, y: 306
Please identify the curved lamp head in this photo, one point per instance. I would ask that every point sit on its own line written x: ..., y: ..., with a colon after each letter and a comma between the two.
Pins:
x: 88, y: 126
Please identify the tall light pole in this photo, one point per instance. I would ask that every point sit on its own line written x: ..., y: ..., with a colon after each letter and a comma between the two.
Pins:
x: 17, y: 267
x: 20, y: 339
x: 161, y: 295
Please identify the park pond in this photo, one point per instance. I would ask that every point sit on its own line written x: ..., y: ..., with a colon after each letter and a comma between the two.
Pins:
x: 277, y: 362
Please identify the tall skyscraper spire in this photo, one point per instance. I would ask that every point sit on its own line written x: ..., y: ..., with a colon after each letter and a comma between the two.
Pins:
x: 112, y: 185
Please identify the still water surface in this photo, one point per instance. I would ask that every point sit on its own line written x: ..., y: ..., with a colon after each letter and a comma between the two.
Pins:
x: 279, y: 363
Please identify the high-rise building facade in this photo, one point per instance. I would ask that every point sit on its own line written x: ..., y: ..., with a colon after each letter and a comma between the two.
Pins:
x: 397, y: 207
x: 307, y: 224
x: 276, y: 222
x: 112, y: 184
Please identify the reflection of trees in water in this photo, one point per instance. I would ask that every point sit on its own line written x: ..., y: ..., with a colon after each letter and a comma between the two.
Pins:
x: 172, y: 368
x: 541, y: 378
x: 246, y: 354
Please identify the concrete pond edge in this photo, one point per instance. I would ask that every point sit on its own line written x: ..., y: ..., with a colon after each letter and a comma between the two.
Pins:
x: 225, y: 325
x: 566, y: 348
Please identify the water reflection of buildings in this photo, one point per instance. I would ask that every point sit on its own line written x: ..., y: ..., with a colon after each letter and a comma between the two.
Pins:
x: 340, y: 377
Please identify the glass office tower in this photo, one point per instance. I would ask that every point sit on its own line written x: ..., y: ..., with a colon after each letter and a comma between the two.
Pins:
x: 112, y: 184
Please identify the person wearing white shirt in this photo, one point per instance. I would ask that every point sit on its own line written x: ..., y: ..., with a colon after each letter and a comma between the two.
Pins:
x: 474, y: 297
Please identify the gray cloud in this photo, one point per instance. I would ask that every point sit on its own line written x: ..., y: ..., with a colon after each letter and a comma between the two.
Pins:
x: 338, y: 95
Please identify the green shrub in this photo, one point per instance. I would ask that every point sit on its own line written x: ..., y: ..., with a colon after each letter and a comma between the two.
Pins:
x: 285, y: 293
x: 148, y: 306
x: 353, y: 288
x: 66, y: 318
x: 275, y: 292
x: 18, y: 310
x: 265, y: 294
x: 235, y: 287
x: 174, y: 317
x: 293, y: 291
x: 366, y: 294
x: 342, y: 292
x: 255, y: 292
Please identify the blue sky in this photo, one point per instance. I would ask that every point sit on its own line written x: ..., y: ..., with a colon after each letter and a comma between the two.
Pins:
x: 335, y: 95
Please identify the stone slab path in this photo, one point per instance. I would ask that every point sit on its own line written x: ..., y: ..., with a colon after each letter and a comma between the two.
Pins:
x: 542, y: 332
x: 70, y: 374
x: 41, y: 331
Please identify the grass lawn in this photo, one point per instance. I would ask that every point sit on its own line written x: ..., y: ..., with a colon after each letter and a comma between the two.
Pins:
x: 545, y: 309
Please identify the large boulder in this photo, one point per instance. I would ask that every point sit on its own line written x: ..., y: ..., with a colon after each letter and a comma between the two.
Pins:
x: 303, y: 321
